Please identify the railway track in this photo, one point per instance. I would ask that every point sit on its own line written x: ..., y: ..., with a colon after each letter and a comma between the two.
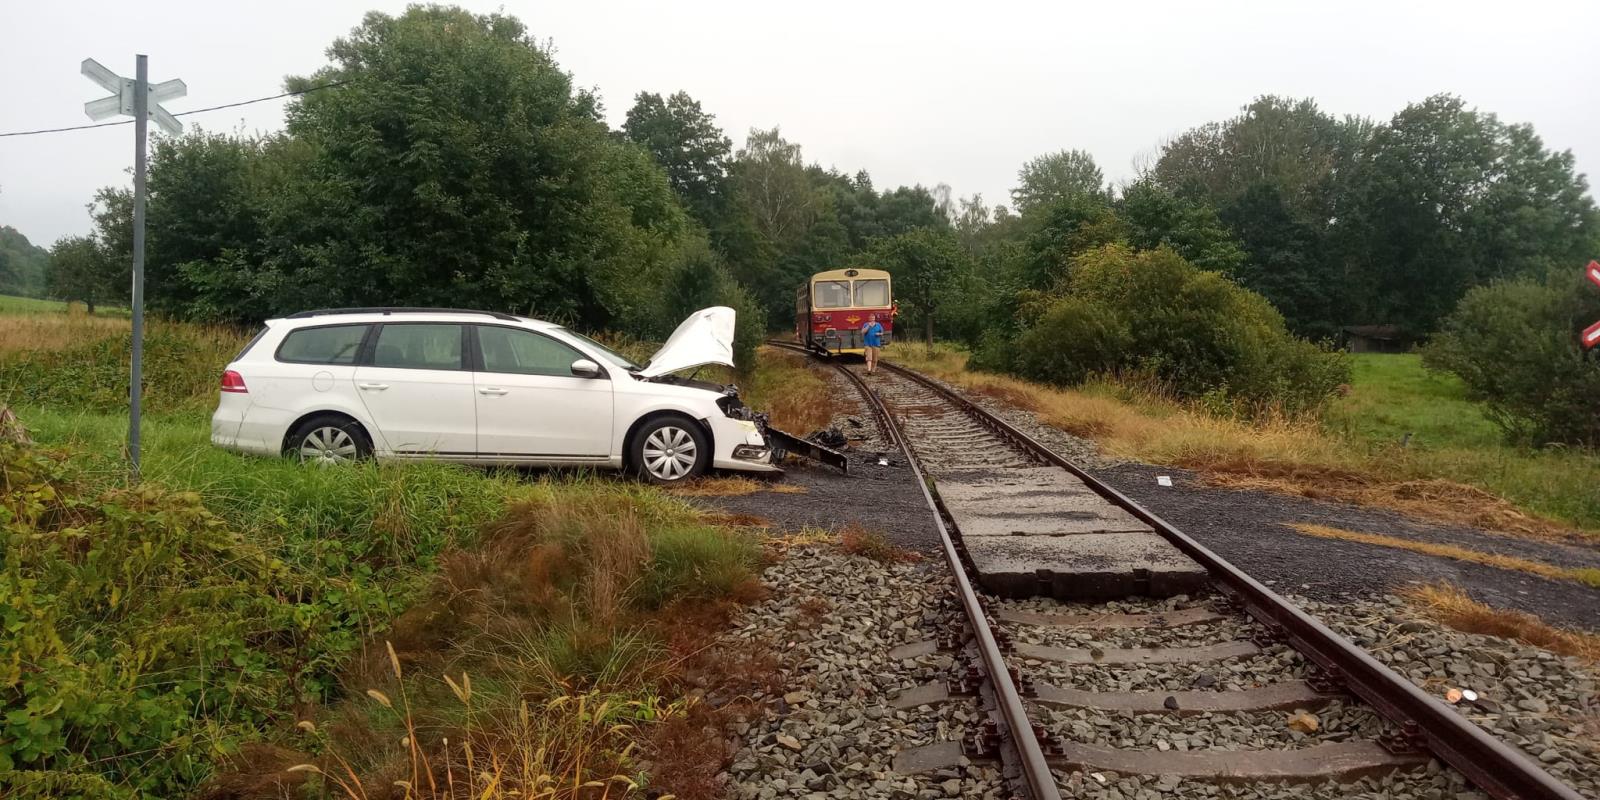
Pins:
x: 1047, y: 672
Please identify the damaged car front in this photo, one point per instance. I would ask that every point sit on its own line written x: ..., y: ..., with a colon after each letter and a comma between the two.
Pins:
x: 737, y: 433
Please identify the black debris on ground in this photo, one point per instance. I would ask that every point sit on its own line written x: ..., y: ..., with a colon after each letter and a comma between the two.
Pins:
x: 1250, y: 529
x: 878, y: 497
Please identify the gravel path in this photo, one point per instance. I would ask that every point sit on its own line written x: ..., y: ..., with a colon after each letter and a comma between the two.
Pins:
x: 834, y: 733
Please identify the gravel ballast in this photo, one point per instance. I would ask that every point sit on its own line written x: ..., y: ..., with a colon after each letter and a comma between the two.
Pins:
x: 834, y: 733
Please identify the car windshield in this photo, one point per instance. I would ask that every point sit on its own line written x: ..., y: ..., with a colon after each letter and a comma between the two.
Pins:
x: 605, y: 352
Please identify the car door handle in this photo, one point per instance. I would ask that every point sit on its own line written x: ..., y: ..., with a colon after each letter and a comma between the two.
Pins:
x: 374, y: 386
x: 494, y: 390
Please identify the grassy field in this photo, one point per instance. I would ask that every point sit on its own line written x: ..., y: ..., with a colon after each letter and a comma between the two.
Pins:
x: 1392, y: 395
x: 232, y: 617
x: 11, y: 305
x: 1454, y: 468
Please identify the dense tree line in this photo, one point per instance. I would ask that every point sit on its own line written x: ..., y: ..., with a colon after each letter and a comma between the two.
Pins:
x: 455, y: 163
x: 1349, y: 221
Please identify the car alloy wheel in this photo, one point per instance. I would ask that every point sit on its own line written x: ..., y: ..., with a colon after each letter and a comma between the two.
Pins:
x: 328, y: 445
x: 669, y: 453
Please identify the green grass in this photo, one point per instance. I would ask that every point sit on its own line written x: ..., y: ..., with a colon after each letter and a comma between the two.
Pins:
x: 1392, y: 395
x: 11, y: 304
x: 153, y: 630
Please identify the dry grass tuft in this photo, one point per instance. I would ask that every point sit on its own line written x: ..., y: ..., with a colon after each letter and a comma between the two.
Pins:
x: 1436, y: 499
x: 50, y: 332
x: 727, y: 519
x: 1450, y: 605
x: 720, y: 486
x: 787, y: 488
x: 792, y: 392
x: 858, y: 541
x: 1588, y: 576
x: 574, y: 632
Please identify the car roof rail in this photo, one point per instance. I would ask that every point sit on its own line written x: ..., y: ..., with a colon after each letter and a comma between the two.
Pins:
x: 322, y: 312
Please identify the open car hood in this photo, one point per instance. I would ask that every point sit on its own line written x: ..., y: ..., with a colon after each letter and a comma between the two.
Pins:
x: 706, y: 337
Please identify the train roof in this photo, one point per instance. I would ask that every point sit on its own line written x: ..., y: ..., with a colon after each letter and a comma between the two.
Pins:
x: 845, y: 274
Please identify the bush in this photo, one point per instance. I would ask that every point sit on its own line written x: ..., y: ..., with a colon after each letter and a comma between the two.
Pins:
x: 1075, y: 339
x: 181, y: 366
x: 150, y: 630
x: 1515, y: 346
x: 1194, y: 332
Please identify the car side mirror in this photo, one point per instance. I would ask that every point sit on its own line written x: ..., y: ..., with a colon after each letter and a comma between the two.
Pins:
x: 584, y: 368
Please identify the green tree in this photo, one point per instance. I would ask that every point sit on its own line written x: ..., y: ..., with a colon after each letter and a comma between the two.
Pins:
x: 80, y: 270
x: 1291, y: 145
x: 922, y: 262
x: 686, y: 141
x: 453, y: 164
x: 1155, y: 217
x: 1515, y: 346
x: 212, y: 205
x: 1446, y: 198
x: 773, y: 188
x: 1278, y: 175
x: 1056, y: 176
x: 1059, y: 231
x: 1285, y: 260
x: 23, y: 264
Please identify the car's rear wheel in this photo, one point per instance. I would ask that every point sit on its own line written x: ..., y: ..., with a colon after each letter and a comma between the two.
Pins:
x: 670, y: 449
x: 329, y: 440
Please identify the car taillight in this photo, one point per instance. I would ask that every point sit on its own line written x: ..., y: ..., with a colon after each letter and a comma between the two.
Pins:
x: 233, y: 382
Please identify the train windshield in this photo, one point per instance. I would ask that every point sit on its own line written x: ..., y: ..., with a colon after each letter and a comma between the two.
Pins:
x: 873, y: 292
x: 833, y: 294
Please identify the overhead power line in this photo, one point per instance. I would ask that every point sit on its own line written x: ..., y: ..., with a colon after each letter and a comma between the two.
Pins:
x: 180, y: 113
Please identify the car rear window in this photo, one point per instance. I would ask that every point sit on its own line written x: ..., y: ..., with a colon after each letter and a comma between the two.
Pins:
x: 330, y: 344
x: 252, y: 343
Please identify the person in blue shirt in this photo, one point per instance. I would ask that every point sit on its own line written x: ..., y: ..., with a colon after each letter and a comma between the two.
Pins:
x: 872, y: 340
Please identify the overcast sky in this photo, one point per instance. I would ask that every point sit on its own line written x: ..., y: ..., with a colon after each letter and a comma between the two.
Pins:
x: 913, y: 92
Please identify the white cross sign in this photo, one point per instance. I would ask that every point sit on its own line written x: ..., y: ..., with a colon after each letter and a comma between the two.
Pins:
x: 121, y: 99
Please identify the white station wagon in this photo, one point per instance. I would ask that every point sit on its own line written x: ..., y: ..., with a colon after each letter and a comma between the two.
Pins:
x: 485, y: 388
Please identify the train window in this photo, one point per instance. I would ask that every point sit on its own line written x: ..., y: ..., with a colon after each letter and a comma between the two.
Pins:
x: 874, y: 292
x: 833, y: 294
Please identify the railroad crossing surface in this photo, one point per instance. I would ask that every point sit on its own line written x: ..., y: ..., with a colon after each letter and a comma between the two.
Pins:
x: 1025, y: 522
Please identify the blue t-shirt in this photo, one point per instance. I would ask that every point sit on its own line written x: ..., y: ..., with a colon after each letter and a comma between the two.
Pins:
x: 872, y: 334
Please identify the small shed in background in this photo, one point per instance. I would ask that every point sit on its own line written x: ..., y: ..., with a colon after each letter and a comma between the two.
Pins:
x: 1375, y: 339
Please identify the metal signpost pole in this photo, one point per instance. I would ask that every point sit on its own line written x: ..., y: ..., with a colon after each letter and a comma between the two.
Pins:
x: 141, y: 116
x: 138, y: 99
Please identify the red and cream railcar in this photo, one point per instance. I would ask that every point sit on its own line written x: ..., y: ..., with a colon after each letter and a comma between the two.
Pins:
x: 830, y: 309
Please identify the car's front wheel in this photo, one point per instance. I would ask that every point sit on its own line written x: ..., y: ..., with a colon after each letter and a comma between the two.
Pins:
x: 670, y: 449
x: 329, y: 440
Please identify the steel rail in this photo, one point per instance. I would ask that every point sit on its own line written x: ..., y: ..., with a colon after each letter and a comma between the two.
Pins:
x: 1494, y: 766
x: 1033, y: 766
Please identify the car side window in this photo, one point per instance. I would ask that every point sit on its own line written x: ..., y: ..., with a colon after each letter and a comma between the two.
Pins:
x: 524, y: 352
x: 329, y: 344
x: 418, y: 346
